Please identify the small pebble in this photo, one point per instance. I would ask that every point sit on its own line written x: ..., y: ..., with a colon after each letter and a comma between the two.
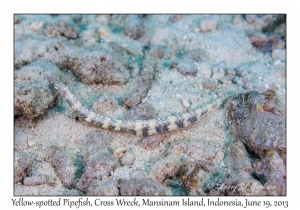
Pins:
x: 103, y: 32
x: 261, y: 89
x: 258, y: 39
x: 205, y: 69
x: 208, y: 25
x: 36, y: 26
x: 175, y: 18
x: 102, y: 19
x: 120, y: 152
x: 66, y: 31
x: 186, y: 67
x: 279, y: 44
x: 237, y: 19
x: 219, y: 156
x: 157, y: 51
x: 219, y: 75
x: 185, y: 103
x: 275, y: 86
x: 230, y: 72
x: 88, y: 38
x: 200, y: 86
x: 250, y: 18
x: 134, y: 26
x: 128, y: 159
x: 278, y: 54
x: 210, y: 86
x: 17, y: 20
x: 226, y: 81
x: 31, y: 143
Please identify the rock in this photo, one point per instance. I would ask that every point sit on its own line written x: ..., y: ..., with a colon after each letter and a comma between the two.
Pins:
x: 22, y: 165
x: 208, y: 25
x: 272, y: 21
x: 95, y: 66
x: 266, y: 44
x: 165, y: 168
x: 98, y: 166
x: 33, y: 94
x: 143, y: 83
x: 62, y: 29
x: 272, y: 170
x: 259, y: 122
x: 238, y: 157
x: 28, y: 51
x: 62, y: 164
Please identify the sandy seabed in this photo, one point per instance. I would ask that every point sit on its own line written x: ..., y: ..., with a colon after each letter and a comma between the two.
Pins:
x: 132, y: 67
